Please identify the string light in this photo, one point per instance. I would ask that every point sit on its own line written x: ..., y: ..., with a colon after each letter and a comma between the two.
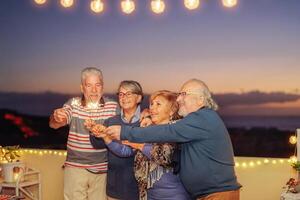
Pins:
x: 251, y: 164
x: 229, y: 3
x: 258, y: 162
x: 293, y: 139
x: 293, y: 159
x: 127, y: 6
x: 40, y: 2
x: 191, y: 4
x: 67, y: 3
x: 97, y: 6
x: 157, y: 6
x: 244, y: 165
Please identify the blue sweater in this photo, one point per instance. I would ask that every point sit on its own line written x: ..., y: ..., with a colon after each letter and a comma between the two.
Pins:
x: 121, y: 183
x: 207, y: 164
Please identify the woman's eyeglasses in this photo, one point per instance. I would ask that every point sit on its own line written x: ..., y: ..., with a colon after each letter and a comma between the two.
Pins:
x: 126, y: 94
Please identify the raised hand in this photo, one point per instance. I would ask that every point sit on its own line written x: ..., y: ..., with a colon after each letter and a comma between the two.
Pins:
x: 114, y: 132
x: 60, y: 115
x: 89, y: 123
x: 96, y: 129
x: 146, y: 122
x: 59, y: 118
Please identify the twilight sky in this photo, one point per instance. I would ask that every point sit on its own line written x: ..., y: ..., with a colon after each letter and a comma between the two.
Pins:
x: 254, y: 46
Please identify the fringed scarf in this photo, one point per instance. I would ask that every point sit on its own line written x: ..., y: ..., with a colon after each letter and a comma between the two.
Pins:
x: 147, y: 172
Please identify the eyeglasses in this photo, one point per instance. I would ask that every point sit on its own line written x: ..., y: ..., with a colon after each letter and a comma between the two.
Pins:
x: 183, y: 94
x: 127, y: 94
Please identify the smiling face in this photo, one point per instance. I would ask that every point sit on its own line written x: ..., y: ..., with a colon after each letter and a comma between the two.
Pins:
x: 92, y: 88
x: 190, y: 98
x: 128, y: 99
x: 160, y: 110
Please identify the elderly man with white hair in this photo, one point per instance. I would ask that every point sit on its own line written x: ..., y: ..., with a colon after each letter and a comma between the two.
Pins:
x: 85, y: 166
x: 206, y: 164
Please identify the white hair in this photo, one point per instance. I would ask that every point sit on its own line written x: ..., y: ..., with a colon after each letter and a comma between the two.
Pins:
x: 209, y: 102
x: 91, y: 71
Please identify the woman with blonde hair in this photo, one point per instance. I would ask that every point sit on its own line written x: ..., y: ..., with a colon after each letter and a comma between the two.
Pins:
x: 153, y: 161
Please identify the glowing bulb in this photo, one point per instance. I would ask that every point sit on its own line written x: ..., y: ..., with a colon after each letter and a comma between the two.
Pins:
x: 258, y: 162
x: 127, y: 6
x: 281, y: 161
x: 67, y: 3
x: 229, y: 3
x: 157, y: 6
x: 293, y: 159
x: 191, y: 4
x: 97, y: 6
x: 293, y: 139
x: 40, y: 2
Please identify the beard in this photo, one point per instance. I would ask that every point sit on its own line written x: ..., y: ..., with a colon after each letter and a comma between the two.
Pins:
x: 182, y: 112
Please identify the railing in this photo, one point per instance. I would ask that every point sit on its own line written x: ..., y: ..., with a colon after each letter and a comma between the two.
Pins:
x: 262, y: 178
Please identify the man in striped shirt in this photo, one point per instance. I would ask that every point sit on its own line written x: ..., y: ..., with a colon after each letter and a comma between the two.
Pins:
x: 85, y: 166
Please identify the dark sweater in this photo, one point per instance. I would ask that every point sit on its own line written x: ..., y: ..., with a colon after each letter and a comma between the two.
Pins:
x: 207, y: 164
x: 121, y: 183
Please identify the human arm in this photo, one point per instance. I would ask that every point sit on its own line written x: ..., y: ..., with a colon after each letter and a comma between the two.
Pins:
x: 192, y: 127
x: 120, y: 149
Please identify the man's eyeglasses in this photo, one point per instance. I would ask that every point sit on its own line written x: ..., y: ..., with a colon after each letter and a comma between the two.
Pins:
x: 127, y: 94
x: 183, y: 94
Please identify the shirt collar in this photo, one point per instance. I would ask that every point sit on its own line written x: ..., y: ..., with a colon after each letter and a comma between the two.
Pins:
x: 136, y: 117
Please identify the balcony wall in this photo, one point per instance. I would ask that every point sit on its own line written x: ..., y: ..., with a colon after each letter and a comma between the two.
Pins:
x: 262, y: 178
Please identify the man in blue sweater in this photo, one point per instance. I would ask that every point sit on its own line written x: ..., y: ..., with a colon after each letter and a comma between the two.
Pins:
x: 206, y: 165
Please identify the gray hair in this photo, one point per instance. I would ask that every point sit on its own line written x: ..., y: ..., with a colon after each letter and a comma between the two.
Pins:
x: 209, y: 102
x: 134, y: 86
x: 91, y: 71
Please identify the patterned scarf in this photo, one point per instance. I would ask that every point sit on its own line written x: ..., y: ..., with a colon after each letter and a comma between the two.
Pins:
x: 147, y: 172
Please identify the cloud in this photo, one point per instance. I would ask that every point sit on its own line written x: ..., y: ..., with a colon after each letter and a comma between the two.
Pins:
x: 44, y: 103
x: 254, y: 98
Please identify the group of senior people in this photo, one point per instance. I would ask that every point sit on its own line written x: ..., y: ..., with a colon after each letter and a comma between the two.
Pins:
x: 139, y: 150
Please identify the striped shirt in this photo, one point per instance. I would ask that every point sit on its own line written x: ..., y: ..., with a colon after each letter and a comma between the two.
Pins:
x: 80, y: 151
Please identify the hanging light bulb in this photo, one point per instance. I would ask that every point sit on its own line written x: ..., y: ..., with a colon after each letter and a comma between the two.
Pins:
x: 191, y: 4
x: 157, y: 6
x: 40, y: 2
x: 97, y: 6
x: 127, y: 6
x: 67, y: 3
x: 229, y: 3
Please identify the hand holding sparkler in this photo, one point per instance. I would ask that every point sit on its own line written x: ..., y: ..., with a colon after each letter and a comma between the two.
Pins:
x: 60, y: 115
x: 96, y: 129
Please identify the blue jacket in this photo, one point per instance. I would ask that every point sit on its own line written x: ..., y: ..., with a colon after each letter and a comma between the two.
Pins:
x: 121, y: 182
x: 207, y: 164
